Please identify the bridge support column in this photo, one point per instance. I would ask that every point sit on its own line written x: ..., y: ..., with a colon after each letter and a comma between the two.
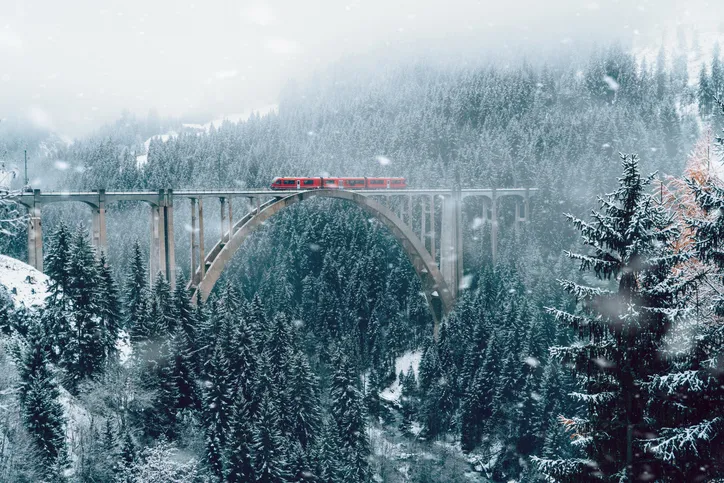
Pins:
x: 202, y: 254
x: 170, y: 249
x: 35, y: 234
x: 432, y: 227
x: 231, y: 219
x: 194, y: 245
x: 158, y: 238
x: 99, y: 224
x: 451, y: 242
x: 494, y: 225
x: 223, y: 219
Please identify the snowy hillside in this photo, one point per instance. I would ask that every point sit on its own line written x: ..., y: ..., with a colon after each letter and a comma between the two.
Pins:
x: 142, y: 159
x: 698, y: 49
x: 26, y: 286
x: 402, y: 364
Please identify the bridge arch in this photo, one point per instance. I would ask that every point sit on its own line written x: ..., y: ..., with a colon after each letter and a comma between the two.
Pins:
x: 437, y: 293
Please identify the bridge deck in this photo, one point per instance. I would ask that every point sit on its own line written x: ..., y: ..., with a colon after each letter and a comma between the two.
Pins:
x: 92, y: 197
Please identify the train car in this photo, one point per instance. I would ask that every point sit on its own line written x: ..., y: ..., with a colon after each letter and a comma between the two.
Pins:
x: 359, y: 183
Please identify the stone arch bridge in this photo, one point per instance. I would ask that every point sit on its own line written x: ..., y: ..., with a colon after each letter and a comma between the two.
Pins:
x: 426, y: 222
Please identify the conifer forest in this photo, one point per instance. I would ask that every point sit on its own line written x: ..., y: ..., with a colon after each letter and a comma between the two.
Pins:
x: 585, y: 343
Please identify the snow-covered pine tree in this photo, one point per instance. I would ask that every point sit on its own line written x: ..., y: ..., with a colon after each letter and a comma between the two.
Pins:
x: 239, y: 441
x: 136, y: 296
x: 42, y: 412
x: 347, y: 409
x: 621, y: 327
x: 110, y: 314
x: 83, y: 356
x: 305, y: 408
x: 268, y: 448
x: 477, y: 406
x: 56, y: 267
x: 216, y: 409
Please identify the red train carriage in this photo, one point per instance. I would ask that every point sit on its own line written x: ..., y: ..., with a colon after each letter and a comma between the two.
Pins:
x: 362, y: 183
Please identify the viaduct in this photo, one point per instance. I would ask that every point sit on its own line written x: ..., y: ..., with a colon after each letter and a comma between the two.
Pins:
x: 436, y: 252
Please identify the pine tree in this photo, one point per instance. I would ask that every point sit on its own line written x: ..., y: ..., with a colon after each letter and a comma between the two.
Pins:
x: 56, y: 260
x: 305, y: 408
x: 135, y: 295
x: 478, y: 402
x: 83, y: 356
x: 621, y: 330
x: 110, y: 309
x: 705, y: 92
x: 216, y: 409
x: 239, y: 442
x: 347, y: 409
x: 269, y: 455
x: 55, y: 316
x: 42, y: 413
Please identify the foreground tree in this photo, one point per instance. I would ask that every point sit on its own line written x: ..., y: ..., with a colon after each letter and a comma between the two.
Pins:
x: 42, y: 413
x: 621, y: 328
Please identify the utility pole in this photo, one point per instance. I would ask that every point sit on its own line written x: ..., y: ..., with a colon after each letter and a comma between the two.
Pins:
x: 26, y: 170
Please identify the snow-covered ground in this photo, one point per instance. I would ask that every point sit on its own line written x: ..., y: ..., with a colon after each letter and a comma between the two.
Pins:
x: 402, y: 364
x: 26, y: 286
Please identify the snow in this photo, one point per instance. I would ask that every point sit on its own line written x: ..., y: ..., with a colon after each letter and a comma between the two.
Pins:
x: 707, y: 40
x: 142, y: 159
x: 123, y: 346
x: 402, y: 364
x: 77, y: 419
x: 234, y: 118
x: 25, y: 285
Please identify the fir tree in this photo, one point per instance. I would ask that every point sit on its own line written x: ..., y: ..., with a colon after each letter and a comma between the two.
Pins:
x: 42, y: 412
x: 135, y: 295
x: 216, y: 409
x: 110, y: 309
x: 269, y: 455
x: 84, y: 356
x: 621, y: 331
x: 239, y: 442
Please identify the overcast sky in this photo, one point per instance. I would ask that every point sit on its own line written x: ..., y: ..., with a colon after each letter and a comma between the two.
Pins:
x: 71, y: 65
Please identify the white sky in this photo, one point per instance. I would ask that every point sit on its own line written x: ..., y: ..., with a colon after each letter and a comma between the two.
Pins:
x: 71, y: 65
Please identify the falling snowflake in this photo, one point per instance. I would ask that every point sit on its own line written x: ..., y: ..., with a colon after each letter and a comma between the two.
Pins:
x: 612, y: 84
x: 383, y: 160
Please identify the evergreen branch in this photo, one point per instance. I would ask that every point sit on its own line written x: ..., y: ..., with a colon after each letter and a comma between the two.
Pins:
x: 682, y: 441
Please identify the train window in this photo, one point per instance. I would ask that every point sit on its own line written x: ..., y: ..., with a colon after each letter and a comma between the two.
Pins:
x: 308, y: 182
x: 289, y: 181
x: 376, y: 181
x: 327, y: 181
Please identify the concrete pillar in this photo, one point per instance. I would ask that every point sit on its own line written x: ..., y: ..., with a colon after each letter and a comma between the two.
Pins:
x: 432, y: 227
x: 451, y: 255
x: 231, y: 219
x: 170, y: 248
x: 158, y: 237
x: 223, y: 219
x: 517, y: 216
x: 409, y: 211
x: 423, y: 222
x: 494, y: 225
x: 194, y: 245
x: 99, y: 224
x: 35, y: 234
x: 202, y: 254
x: 526, y: 205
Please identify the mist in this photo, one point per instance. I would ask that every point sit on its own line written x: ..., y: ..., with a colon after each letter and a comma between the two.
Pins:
x: 72, y: 66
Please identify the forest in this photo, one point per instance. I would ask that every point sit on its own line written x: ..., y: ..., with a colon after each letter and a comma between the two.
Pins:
x: 590, y: 349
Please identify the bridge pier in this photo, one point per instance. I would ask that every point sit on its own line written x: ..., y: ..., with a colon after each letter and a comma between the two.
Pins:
x: 163, y: 259
x: 451, y: 242
x: 99, y: 224
x: 35, y: 234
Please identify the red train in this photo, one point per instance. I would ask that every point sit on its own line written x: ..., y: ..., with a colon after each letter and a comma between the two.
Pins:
x: 365, y: 183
